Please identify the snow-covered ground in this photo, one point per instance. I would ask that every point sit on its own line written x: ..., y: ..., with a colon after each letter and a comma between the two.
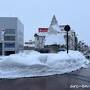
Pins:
x: 33, y: 63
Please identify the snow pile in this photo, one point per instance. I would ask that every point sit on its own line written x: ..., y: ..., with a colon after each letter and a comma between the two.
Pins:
x: 54, y: 39
x: 36, y: 64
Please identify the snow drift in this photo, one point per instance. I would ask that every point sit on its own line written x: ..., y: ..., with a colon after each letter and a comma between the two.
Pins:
x: 36, y: 64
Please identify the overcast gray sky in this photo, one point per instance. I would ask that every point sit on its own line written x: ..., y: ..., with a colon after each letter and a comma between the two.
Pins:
x: 38, y: 13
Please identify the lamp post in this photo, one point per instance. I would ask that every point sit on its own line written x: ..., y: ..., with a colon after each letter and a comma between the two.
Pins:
x: 2, y: 38
x: 67, y: 29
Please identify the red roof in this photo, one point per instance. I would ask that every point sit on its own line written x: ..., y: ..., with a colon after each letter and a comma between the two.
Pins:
x: 43, y: 30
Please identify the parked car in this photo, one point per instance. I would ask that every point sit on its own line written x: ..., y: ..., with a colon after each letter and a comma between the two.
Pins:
x: 62, y: 49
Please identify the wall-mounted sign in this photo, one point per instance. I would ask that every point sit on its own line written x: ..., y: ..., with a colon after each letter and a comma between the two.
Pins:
x: 43, y: 30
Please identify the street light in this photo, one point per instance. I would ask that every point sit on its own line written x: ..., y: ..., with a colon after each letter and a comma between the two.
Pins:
x: 2, y: 39
x: 67, y: 29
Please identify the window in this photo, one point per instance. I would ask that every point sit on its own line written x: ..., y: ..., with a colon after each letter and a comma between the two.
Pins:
x: 10, y: 31
x: 9, y: 45
x: 0, y: 46
x: 9, y: 38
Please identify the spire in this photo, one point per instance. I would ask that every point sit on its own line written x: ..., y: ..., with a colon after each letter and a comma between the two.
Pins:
x: 54, y: 21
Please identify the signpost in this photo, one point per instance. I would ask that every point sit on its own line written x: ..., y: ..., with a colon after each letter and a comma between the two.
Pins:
x: 67, y: 29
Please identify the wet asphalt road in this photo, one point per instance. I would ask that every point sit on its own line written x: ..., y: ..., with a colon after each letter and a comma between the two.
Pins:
x: 77, y: 80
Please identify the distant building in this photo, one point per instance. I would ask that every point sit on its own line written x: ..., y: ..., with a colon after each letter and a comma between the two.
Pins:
x: 29, y: 45
x: 39, y: 41
x: 54, y: 35
x: 11, y: 35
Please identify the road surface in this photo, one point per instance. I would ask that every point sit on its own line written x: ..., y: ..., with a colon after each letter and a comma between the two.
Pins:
x: 77, y: 80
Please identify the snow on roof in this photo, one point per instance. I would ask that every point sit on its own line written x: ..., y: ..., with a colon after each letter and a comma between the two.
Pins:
x: 54, y: 39
x: 42, y: 34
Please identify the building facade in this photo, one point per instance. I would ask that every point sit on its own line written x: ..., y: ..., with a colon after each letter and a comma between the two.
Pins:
x: 11, y: 35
